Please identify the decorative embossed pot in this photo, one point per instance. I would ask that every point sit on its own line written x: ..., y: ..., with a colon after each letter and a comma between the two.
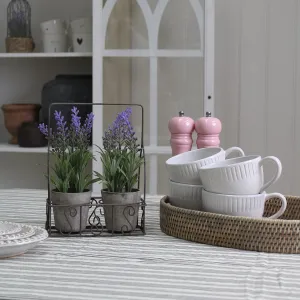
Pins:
x: 16, y: 114
x: 121, y: 210
x: 71, y: 210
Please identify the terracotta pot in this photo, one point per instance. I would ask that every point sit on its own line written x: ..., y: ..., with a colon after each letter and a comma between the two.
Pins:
x: 16, y: 114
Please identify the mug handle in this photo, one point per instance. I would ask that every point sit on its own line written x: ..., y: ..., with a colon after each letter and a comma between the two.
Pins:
x: 277, y: 174
x: 283, y: 204
x: 239, y: 151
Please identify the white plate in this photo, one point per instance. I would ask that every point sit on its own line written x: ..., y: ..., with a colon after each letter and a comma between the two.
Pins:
x: 9, y: 228
x: 25, y: 232
x: 17, y: 247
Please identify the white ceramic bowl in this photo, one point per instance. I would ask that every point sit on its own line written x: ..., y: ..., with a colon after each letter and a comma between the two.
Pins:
x: 184, y: 168
x: 185, y: 195
x: 240, y: 205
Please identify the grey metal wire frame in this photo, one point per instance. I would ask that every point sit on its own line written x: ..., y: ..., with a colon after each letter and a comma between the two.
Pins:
x: 96, y: 221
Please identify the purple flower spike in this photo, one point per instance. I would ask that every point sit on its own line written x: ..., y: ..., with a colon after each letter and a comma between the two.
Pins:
x: 75, y: 119
x: 60, y: 123
x: 120, y: 133
x: 88, y: 124
x: 43, y: 129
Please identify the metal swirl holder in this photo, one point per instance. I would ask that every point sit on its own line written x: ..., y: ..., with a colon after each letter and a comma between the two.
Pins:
x: 96, y: 225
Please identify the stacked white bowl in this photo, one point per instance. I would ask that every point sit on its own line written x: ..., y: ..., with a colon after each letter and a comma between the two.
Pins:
x: 205, y: 180
x: 184, y: 174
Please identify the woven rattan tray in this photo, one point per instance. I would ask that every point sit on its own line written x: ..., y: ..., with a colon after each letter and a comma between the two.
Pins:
x: 263, y: 235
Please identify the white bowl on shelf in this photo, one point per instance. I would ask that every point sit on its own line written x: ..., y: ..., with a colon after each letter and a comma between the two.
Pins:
x: 185, y: 195
x: 185, y: 167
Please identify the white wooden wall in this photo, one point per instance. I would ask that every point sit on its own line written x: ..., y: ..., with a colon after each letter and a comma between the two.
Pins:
x: 257, y: 80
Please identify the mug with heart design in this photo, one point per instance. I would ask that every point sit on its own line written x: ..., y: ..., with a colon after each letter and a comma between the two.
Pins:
x: 239, y: 176
x: 82, y: 42
x: 251, y: 206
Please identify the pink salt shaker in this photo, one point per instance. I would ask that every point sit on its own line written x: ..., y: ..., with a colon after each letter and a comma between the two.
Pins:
x: 181, y: 129
x: 208, y: 130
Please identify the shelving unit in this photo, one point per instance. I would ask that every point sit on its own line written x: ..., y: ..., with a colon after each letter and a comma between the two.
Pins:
x: 140, y: 55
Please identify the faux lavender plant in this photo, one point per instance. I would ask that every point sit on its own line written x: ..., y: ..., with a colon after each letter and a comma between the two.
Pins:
x: 69, y: 146
x: 120, y: 155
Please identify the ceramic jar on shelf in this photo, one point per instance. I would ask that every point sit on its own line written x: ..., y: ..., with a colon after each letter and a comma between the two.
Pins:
x: 54, y: 36
x: 82, y: 35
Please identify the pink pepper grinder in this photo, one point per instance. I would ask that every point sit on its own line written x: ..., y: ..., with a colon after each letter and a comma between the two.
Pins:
x: 181, y: 129
x: 208, y: 130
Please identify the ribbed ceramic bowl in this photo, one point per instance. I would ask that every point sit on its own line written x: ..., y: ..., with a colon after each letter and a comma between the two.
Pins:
x: 185, y: 195
x: 184, y: 168
x: 251, y: 206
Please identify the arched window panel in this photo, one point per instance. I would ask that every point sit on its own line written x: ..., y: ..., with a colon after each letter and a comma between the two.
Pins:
x: 116, y: 86
x: 182, y: 30
x: 153, y: 54
x: 140, y: 94
x: 180, y: 87
x: 126, y: 80
x: 125, y: 25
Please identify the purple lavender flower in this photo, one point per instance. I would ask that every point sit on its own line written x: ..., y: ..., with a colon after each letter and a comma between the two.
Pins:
x: 60, y: 123
x: 43, y: 129
x: 120, y: 133
x: 88, y: 124
x: 75, y: 137
x: 75, y: 122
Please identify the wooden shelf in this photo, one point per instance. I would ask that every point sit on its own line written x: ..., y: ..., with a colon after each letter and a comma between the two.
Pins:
x: 45, y: 55
x: 16, y: 149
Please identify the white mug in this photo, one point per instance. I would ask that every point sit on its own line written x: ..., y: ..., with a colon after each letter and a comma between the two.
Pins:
x: 56, y: 26
x: 82, y: 26
x: 185, y: 195
x: 240, y: 205
x: 82, y: 42
x: 55, y: 43
x: 239, y: 176
x: 184, y: 167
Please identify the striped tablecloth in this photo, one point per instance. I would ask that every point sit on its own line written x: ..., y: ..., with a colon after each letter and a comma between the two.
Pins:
x: 154, y: 266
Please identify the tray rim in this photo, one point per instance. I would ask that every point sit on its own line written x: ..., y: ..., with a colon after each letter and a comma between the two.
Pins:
x: 280, y: 236
x: 165, y: 199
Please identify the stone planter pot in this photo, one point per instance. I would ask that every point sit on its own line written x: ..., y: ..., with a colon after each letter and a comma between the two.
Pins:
x: 16, y: 114
x: 72, y: 217
x: 121, y: 210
